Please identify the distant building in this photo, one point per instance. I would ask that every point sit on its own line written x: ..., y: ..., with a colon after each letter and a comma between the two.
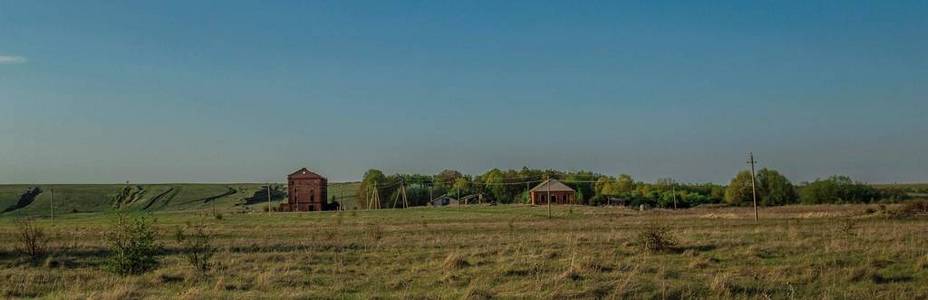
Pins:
x: 554, y: 191
x: 306, y: 191
x: 444, y: 201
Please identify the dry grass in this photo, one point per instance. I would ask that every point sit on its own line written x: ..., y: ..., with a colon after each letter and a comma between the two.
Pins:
x: 498, y: 252
x: 454, y: 262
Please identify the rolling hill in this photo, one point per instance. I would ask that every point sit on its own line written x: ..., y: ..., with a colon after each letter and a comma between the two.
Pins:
x: 36, y: 200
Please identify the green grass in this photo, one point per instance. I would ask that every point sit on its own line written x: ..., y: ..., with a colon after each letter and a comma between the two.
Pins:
x: 101, y: 198
x: 501, y: 251
x: 10, y: 193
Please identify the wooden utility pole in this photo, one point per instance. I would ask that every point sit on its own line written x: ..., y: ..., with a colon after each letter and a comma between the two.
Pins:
x: 53, y: 204
x: 753, y: 183
x: 548, y: 188
x: 401, y: 193
x: 268, y: 198
x: 374, y: 201
x: 370, y: 199
x: 405, y: 201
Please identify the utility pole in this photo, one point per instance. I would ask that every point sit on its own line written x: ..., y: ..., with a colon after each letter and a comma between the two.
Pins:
x: 405, y: 201
x: 53, y: 204
x: 268, y: 198
x: 673, y: 192
x: 528, y: 192
x: 548, y: 188
x: 402, y: 193
x: 753, y: 183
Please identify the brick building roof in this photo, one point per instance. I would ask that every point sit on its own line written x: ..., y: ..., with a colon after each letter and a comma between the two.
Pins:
x: 552, y: 185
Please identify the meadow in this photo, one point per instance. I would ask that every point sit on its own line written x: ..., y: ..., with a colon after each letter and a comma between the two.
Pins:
x: 65, y: 199
x: 506, y: 251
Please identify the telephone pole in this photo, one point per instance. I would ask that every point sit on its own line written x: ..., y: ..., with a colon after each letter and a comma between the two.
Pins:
x: 53, y: 204
x: 753, y: 183
x: 548, y: 190
x: 268, y: 198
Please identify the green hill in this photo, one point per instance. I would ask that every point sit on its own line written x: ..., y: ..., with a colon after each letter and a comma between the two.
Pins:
x: 36, y: 200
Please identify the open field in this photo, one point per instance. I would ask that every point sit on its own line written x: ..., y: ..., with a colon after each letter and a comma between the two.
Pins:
x: 850, y: 251
x: 97, y: 198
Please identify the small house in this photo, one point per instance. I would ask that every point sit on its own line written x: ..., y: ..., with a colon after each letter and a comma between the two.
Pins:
x: 553, y: 191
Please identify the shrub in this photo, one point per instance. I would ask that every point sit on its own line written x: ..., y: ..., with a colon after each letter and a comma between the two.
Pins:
x: 132, y: 245
x: 33, y: 242
x: 655, y: 239
x: 912, y: 208
x: 197, y: 247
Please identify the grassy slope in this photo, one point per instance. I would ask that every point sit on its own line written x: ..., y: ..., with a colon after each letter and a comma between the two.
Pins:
x: 507, y: 252
x: 83, y: 198
x: 9, y: 194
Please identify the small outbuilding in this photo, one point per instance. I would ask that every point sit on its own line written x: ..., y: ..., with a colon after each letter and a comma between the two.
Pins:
x: 444, y: 201
x: 554, y: 191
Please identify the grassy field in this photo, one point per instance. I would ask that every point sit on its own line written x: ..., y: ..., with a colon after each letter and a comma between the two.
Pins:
x: 832, y: 252
x: 101, y: 198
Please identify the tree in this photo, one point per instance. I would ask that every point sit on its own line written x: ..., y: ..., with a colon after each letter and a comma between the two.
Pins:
x: 837, y: 189
x: 493, y: 180
x: 604, y: 186
x: 446, y: 178
x: 580, y: 182
x: 775, y: 189
x: 373, y: 179
x: 772, y: 189
x: 625, y: 184
x: 461, y: 186
x: 739, y: 189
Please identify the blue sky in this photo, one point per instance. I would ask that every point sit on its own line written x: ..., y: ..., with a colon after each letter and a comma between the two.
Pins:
x: 228, y: 91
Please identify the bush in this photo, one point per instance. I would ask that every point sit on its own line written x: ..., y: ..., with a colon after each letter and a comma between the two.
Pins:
x: 33, y: 242
x: 838, y: 189
x: 656, y: 239
x: 133, y: 246
x: 197, y: 247
x: 915, y: 207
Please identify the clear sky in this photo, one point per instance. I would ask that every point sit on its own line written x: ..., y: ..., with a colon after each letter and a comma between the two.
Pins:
x: 241, y: 91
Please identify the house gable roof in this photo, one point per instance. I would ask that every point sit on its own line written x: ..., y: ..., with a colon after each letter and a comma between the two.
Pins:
x: 552, y: 185
x: 304, y: 173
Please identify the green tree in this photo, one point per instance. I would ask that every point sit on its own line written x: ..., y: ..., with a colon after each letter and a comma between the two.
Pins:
x: 739, y: 190
x: 775, y: 189
x: 373, y: 179
x: 493, y: 181
x: 625, y: 184
x: 837, y: 189
x: 772, y: 189
x: 460, y: 187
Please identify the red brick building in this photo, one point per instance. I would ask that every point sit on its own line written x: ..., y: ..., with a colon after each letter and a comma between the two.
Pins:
x: 306, y: 191
x: 554, y: 191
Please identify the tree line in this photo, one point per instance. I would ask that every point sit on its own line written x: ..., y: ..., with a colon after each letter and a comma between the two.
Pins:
x: 512, y: 186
